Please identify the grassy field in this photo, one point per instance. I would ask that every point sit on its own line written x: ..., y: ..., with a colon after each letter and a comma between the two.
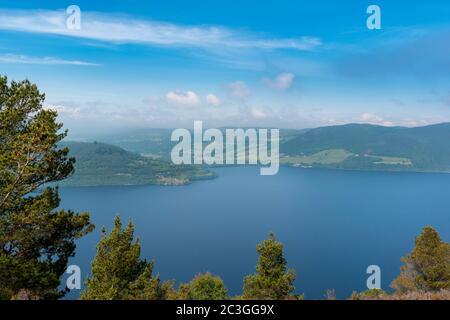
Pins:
x: 393, y: 161
x: 337, y: 156
x: 323, y: 157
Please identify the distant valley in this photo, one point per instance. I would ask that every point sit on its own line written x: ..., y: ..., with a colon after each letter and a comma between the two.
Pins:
x: 143, y: 156
x: 351, y: 146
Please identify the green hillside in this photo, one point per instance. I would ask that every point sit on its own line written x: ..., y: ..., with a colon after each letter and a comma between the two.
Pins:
x: 156, y: 143
x: 373, y: 147
x: 149, y: 141
x: 352, y: 147
x: 102, y: 164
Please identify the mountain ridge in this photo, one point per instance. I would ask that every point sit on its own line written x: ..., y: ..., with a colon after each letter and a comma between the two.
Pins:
x: 427, y: 147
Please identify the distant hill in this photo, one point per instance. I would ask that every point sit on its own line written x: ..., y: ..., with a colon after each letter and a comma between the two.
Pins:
x: 156, y: 143
x: 364, y: 146
x: 149, y: 141
x: 352, y: 147
x: 103, y: 164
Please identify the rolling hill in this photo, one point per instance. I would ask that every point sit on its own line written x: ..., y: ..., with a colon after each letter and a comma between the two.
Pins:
x: 151, y: 142
x: 99, y: 164
x: 146, y: 159
x: 363, y: 146
x: 156, y: 143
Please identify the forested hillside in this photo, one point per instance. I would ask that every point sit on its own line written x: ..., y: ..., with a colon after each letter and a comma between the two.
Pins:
x: 363, y: 146
x: 103, y: 164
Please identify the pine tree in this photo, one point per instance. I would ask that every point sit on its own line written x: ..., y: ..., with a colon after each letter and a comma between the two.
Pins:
x: 118, y: 273
x: 203, y: 287
x: 427, y: 266
x: 271, y: 279
x: 36, y: 240
x: 183, y: 292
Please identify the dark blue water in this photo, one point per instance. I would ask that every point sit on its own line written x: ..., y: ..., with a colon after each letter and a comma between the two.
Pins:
x: 333, y: 224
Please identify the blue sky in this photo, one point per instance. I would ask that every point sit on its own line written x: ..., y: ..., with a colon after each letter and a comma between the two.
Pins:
x: 291, y: 64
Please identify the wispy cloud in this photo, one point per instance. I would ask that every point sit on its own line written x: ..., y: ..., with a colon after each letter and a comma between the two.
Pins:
x: 126, y: 29
x: 283, y: 81
x: 69, y: 111
x: 239, y: 89
x: 14, y: 58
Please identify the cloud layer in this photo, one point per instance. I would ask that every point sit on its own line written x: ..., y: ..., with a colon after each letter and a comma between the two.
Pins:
x: 126, y: 29
x: 13, y: 58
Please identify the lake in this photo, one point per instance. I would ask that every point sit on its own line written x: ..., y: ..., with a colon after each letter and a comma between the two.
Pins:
x: 333, y: 224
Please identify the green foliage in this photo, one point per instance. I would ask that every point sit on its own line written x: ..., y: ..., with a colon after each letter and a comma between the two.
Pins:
x: 157, y: 143
x: 377, y: 147
x: 271, y: 279
x: 427, y: 267
x: 36, y: 240
x: 154, y: 142
x: 183, y: 293
x: 118, y: 273
x: 371, y: 294
x: 104, y: 164
x: 324, y: 157
x: 203, y: 287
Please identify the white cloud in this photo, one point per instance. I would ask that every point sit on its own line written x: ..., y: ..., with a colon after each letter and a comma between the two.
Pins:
x: 71, y: 112
x: 126, y: 29
x: 89, y: 116
x: 212, y: 99
x: 13, y: 58
x: 304, y: 43
x: 375, y: 119
x: 258, y: 114
x: 417, y: 123
x: 370, y: 117
x: 398, y: 120
x: 239, y: 89
x: 283, y: 81
x: 188, y: 98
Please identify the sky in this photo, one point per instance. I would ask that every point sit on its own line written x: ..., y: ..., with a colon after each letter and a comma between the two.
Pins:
x: 286, y: 64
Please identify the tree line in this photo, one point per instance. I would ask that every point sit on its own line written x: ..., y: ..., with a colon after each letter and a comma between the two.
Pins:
x: 37, y: 239
x: 119, y: 273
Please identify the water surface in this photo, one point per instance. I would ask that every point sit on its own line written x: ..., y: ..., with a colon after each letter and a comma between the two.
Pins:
x: 333, y: 224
